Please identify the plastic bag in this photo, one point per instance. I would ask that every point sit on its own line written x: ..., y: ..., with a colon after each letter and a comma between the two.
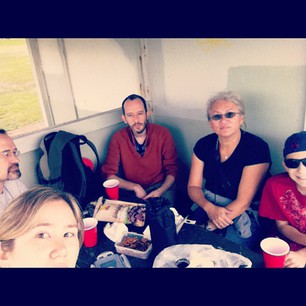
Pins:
x: 199, y: 256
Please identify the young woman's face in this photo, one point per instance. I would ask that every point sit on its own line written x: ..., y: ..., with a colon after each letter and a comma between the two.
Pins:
x: 52, y: 242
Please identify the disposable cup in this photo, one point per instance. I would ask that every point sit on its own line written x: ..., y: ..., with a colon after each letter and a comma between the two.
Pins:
x: 112, y: 188
x: 90, y: 232
x: 274, y: 252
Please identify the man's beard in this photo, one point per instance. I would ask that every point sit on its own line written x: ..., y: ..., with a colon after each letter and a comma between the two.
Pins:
x: 14, y: 172
x: 144, y: 125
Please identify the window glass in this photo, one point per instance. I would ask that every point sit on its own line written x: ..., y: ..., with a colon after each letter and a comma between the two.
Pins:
x: 102, y: 72
x: 20, y: 107
x: 50, y: 82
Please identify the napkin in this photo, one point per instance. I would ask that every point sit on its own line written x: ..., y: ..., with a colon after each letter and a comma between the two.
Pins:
x: 114, y: 231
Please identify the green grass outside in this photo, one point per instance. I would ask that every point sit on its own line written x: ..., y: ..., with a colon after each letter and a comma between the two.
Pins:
x: 19, y: 103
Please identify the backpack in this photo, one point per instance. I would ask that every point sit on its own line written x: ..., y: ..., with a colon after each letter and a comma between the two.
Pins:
x: 61, y: 166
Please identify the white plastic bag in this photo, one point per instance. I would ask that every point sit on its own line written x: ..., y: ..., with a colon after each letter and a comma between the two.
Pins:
x: 199, y: 256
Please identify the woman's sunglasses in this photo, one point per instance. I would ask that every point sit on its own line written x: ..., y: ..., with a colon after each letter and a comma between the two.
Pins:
x: 294, y: 163
x: 228, y: 115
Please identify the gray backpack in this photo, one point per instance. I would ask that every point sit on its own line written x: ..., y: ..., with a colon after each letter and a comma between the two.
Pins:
x: 61, y: 166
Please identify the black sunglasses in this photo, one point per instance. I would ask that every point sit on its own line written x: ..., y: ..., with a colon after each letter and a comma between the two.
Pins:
x: 228, y: 115
x: 294, y: 163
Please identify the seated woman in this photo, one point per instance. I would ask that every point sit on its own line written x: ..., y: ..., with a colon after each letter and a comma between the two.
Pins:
x: 42, y: 227
x: 234, y: 165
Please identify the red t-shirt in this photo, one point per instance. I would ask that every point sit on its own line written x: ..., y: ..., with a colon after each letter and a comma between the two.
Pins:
x: 281, y: 200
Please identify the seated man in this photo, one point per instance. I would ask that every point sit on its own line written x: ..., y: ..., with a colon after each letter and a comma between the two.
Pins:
x: 143, y: 152
x: 10, y: 185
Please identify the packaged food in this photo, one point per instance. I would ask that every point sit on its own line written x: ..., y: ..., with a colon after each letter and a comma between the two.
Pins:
x: 134, y: 244
x: 120, y: 211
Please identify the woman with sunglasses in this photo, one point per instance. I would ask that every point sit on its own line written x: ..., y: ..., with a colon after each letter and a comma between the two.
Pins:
x: 234, y: 165
x: 284, y: 200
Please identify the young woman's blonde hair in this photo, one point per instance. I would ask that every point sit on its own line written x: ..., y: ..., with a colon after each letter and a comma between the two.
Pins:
x: 19, y: 217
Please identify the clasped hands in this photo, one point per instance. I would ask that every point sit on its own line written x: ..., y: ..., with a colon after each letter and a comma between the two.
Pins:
x: 218, y: 218
x: 141, y: 193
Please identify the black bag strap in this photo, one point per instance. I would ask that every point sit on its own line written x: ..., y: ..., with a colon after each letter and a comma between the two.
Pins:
x: 80, y: 166
x: 43, y: 171
x: 55, y: 153
x: 92, y: 146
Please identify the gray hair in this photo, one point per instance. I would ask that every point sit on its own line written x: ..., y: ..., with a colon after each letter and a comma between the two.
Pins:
x: 226, y: 96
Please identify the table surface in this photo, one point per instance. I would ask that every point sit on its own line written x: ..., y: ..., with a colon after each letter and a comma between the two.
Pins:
x: 189, y: 234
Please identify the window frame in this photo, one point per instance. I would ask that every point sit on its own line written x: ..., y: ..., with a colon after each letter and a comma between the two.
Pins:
x: 31, y: 141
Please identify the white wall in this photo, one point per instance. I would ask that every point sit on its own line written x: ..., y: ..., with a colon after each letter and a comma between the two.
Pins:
x: 269, y: 74
x: 182, y: 73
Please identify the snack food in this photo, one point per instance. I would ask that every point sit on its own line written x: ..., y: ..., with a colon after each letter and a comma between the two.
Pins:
x: 134, y: 244
x: 120, y: 211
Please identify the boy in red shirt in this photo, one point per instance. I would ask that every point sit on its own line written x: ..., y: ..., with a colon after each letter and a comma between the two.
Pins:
x: 284, y: 200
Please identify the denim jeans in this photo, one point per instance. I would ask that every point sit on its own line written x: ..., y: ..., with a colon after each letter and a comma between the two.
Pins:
x: 245, y: 230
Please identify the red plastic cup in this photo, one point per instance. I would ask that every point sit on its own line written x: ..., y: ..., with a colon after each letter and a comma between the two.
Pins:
x: 90, y: 232
x: 274, y: 252
x: 112, y: 188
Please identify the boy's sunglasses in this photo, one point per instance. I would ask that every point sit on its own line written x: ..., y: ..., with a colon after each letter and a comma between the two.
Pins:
x: 228, y: 115
x: 294, y: 163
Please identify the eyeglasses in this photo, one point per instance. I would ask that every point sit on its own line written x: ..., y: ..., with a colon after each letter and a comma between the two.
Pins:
x: 9, y: 154
x: 294, y: 163
x: 228, y: 115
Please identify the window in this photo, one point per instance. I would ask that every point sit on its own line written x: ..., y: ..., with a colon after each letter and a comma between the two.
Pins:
x: 56, y: 81
x: 20, y: 108
x: 84, y: 77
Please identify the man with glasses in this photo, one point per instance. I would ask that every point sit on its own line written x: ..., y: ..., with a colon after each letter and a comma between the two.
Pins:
x: 10, y: 185
x: 284, y: 200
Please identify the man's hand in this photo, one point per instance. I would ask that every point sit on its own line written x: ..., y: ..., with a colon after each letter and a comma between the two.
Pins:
x: 154, y: 194
x: 139, y: 191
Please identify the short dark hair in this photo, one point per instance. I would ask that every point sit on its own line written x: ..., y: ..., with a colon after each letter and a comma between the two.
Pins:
x: 134, y: 97
x: 3, y: 131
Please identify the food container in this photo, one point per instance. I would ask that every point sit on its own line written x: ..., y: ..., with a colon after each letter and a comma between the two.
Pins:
x: 110, y: 260
x: 120, y: 211
x: 134, y: 244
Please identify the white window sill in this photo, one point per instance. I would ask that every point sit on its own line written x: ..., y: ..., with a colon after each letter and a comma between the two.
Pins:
x: 87, y: 125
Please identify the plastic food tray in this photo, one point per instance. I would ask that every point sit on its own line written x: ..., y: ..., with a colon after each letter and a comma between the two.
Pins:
x: 110, y: 260
x: 133, y: 252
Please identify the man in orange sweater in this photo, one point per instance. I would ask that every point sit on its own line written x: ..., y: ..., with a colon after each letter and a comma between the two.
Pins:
x: 142, y: 156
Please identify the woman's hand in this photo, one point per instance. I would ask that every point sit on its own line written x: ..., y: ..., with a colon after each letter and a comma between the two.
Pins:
x: 219, y: 216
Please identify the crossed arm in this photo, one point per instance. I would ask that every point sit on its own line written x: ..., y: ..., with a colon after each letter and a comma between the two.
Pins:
x: 221, y: 217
